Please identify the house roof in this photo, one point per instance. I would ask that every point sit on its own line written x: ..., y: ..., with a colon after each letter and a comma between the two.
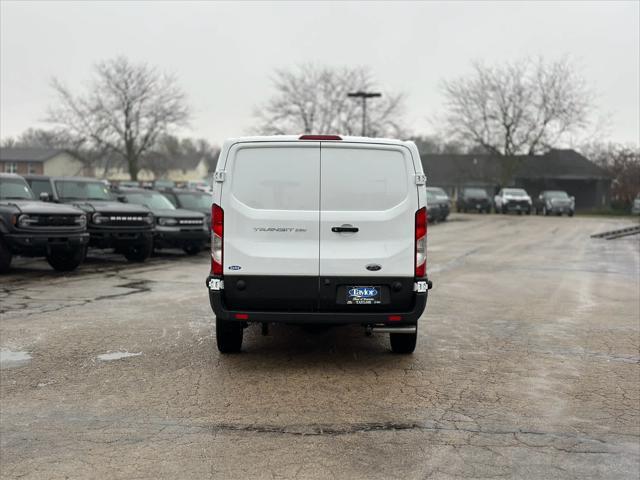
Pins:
x: 567, y: 164
x: 443, y: 169
x: 23, y: 154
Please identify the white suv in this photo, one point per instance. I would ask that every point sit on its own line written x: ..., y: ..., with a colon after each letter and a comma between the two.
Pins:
x: 319, y: 229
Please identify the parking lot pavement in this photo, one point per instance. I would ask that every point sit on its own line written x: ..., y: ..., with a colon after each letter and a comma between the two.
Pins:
x: 527, y: 367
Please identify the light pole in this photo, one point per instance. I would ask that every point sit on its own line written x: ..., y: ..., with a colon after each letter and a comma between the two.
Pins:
x: 364, y: 96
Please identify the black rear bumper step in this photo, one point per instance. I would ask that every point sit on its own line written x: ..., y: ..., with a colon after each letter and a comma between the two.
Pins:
x: 403, y: 305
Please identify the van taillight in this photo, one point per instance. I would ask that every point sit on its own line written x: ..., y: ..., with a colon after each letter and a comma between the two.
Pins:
x: 217, y: 236
x: 421, y: 243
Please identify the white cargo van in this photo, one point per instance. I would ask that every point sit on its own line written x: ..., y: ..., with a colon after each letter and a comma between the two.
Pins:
x: 319, y: 229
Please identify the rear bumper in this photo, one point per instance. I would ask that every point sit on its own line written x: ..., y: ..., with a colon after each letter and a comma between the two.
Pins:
x: 41, y: 243
x: 388, y: 317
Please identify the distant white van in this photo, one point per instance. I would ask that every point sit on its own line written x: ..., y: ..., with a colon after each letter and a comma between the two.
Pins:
x: 319, y: 229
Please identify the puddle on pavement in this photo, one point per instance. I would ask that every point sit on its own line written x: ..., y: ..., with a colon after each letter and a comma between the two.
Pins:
x: 107, y: 357
x: 11, y: 359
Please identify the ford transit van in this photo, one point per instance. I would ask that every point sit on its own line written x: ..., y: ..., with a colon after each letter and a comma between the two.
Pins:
x: 319, y: 229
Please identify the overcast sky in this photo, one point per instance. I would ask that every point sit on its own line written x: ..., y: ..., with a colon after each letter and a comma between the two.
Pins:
x: 224, y: 53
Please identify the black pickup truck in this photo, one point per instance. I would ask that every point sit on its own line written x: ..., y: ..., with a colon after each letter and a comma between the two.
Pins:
x: 126, y: 228
x: 36, y: 229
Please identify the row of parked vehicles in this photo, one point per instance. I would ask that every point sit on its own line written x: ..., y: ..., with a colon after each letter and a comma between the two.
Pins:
x: 60, y: 217
x: 549, y: 202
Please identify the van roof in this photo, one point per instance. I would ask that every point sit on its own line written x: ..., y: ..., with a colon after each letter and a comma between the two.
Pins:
x: 296, y: 138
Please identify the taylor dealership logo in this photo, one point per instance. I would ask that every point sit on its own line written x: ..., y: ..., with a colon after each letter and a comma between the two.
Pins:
x: 363, y: 292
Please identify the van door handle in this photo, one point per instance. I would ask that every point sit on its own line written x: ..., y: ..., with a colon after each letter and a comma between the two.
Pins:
x: 344, y: 229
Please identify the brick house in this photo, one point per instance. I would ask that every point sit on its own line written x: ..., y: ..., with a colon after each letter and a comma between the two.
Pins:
x: 41, y: 161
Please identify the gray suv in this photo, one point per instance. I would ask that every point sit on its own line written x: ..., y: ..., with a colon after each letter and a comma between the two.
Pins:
x: 32, y: 228
x: 175, y: 227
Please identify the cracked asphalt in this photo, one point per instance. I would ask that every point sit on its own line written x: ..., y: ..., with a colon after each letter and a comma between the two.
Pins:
x: 528, y: 366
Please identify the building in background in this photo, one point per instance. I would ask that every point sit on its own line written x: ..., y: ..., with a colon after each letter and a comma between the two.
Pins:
x: 556, y: 170
x: 41, y: 161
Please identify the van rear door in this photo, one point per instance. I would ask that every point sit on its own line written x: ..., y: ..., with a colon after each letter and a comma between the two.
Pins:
x: 271, y: 200
x: 368, y: 201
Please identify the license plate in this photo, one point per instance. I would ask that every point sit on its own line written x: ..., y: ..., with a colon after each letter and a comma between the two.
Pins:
x: 363, y: 295
x: 478, y: 206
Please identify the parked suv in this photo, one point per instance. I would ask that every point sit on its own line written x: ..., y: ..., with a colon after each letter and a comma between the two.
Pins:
x: 512, y: 200
x: 37, y: 229
x: 441, y: 198
x: 473, y: 199
x: 434, y: 211
x: 555, y: 201
x: 193, y: 200
x: 126, y: 228
x: 174, y: 227
x: 319, y: 229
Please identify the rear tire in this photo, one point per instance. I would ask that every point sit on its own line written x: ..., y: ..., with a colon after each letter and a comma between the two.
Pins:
x: 228, y: 336
x: 65, y: 261
x: 139, y: 252
x: 403, y: 343
x: 5, y: 257
x: 571, y: 213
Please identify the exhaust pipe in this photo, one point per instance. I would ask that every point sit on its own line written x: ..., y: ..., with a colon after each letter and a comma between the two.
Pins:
x: 412, y: 329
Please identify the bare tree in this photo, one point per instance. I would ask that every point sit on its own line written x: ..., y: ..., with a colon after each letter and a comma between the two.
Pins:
x: 38, y: 138
x: 173, y: 153
x: 524, y: 107
x: 622, y: 163
x: 125, y: 111
x: 313, y: 99
x: 435, y: 144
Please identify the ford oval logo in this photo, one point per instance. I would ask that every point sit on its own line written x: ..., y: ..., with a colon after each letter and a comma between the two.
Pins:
x: 234, y: 267
x: 363, y: 292
x: 373, y: 267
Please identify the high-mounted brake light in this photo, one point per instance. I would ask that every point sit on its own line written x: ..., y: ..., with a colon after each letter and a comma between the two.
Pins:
x: 320, y: 137
x: 217, y: 236
x: 421, y: 243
